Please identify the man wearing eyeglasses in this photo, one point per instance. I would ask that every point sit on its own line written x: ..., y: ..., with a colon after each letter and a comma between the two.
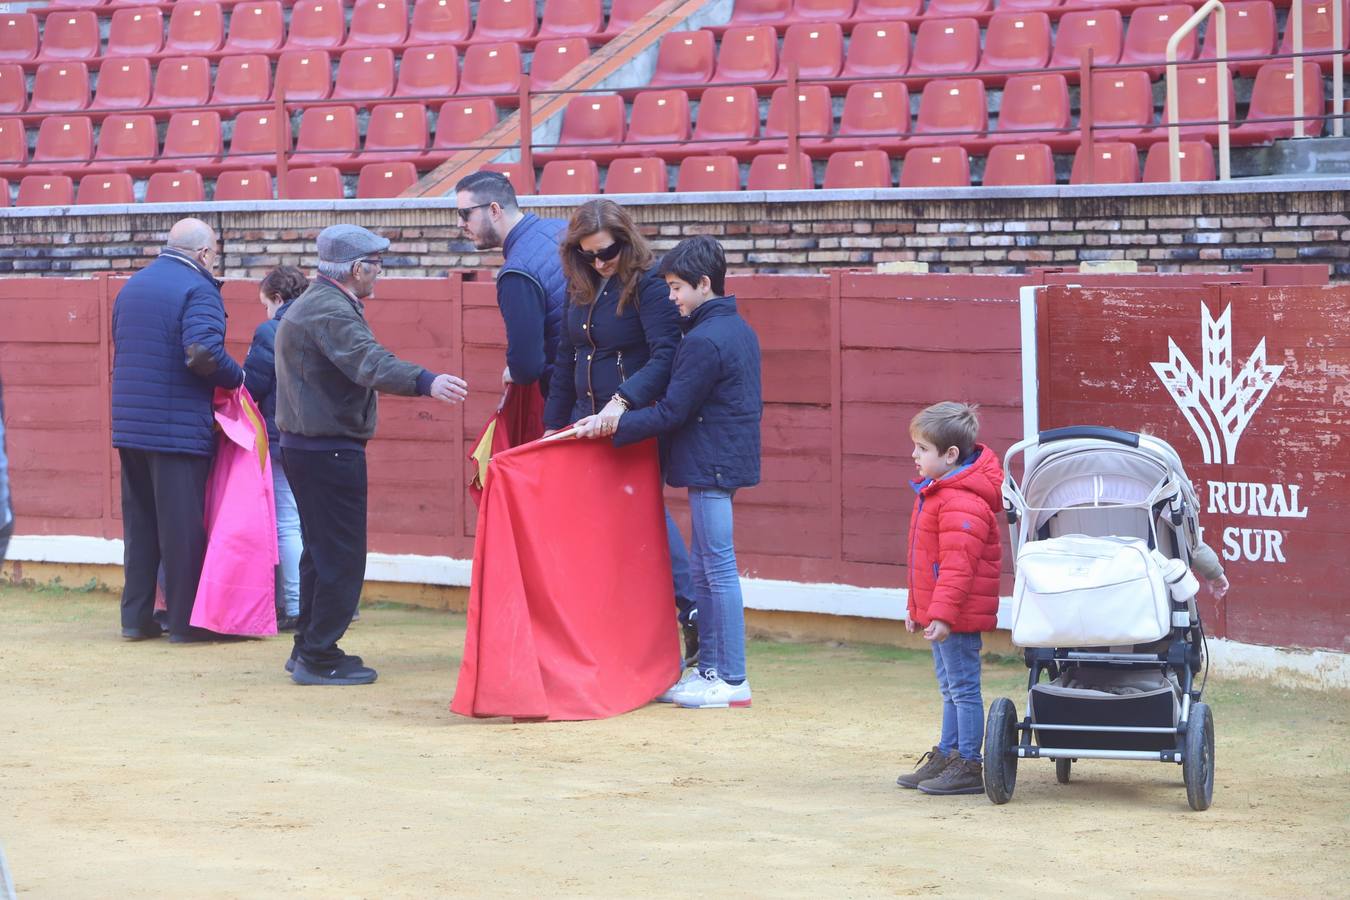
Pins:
x: 329, y: 368
x: 531, y: 287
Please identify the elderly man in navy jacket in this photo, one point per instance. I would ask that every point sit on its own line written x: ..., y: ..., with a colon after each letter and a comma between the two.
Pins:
x: 168, y: 328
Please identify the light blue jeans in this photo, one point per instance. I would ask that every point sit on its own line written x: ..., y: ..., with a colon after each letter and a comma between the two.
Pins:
x: 957, y: 663
x: 289, y: 542
x: 717, y: 584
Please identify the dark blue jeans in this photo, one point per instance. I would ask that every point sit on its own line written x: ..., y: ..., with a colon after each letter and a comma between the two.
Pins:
x: 957, y: 663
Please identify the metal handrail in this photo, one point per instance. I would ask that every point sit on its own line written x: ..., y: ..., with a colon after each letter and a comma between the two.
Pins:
x: 1221, y: 76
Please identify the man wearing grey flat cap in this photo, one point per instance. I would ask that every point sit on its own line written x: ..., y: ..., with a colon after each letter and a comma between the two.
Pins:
x: 329, y: 368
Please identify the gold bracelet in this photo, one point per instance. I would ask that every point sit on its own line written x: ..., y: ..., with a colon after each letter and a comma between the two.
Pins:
x: 617, y: 398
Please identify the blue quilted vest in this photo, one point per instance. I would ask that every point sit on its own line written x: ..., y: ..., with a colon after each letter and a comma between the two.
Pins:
x: 531, y: 248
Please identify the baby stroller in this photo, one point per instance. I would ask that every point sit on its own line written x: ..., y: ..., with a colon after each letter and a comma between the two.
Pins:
x: 1103, y: 525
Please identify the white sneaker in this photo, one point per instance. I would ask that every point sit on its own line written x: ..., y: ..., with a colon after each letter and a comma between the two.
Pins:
x: 688, y: 675
x: 709, y: 691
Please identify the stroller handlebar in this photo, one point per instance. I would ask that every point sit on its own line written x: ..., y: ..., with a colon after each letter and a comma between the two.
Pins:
x: 1101, y: 432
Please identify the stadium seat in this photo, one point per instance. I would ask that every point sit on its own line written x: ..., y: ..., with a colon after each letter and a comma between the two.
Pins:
x: 127, y: 140
x: 122, y: 84
x: 252, y: 184
x: 1271, y: 111
x: 114, y: 187
x: 887, y: 10
x: 816, y: 48
x: 1016, y: 40
x: 728, y: 121
x: 554, y: 59
x: 175, y: 187
x: 440, y: 21
x: 67, y: 141
x: 182, y: 81
x: 570, y: 176
x: 936, y: 167
x: 1198, y: 101
x: 253, y: 141
x: 875, y: 117
x: 1317, y: 30
x: 242, y: 79
x: 13, y: 89
x: 946, y: 47
x: 657, y: 117
x: 877, y: 50
x: 773, y: 172
x: 756, y: 12
x: 364, y: 74
x: 950, y: 9
x: 317, y: 183
x: 1035, y: 108
x: 18, y: 37
x: 1251, y: 32
x: 1122, y: 105
x: 1010, y: 165
x: 193, y: 139
x: 60, y: 87
x: 68, y: 35
x: 304, y: 74
x: 504, y: 20
x: 592, y: 125
x: 461, y: 122
x: 328, y: 135
x: 685, y: 58
x: 623, y: 13
x: 521, y: 182
x: 858, y: 169
x: 316, y: 25
x: 378, y: 23
x: 428, y: 72
x: 951, y: 111
x: 571, y: 18
x: 822, y: 10
x: 1112, y: 163
x: 135, y: 31
x: 195, y: 28
x: 4, y: 192
x: 396, y: 132
x: 637, y: 176
x: 1150, y: 29
x: 815, y: 118
x: 1027, y: 5
x: 380, y: 180
x: 1196, y: 158
x: 747, y: 54
x: 255, y: 26
x: 46, y: 190
x: 1099, y: 29
x: 698, y: 174
x: 491, y: 69
x: 13, y: 142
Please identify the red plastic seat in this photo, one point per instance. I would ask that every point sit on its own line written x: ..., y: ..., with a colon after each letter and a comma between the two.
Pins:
x: 657, y: 118
x: 592, y: 125
x: 305, y: 74
x: 504, y: 20
x: 182, y: 81
x: 747, y: 54
x: 13, y: 141
x: 1150, y: 29
x: 328, y: 135
x: 135, y: 31
x: 1016, y: 40
x: 114, y: 187
x: 127, y: 140
x: 728, y: 121
x: 1027, y: 5
x: 195, y: 28
x: 885, y: 10
x: 122, y: 84
x: 816, y: 48
x: 175, y: 187
x: 68, y: 35
x: 60, y: 87
x: 1271, y: 110
x: 1112, y: 163
x: 252, y: 184
x: 13, y: 88
x: 815, y: 117
x: 570, y: 176
x: 378, y: 23
x: 46, y: 190
x: 521, y: 182
x: 1196, y: 159
x: 317, y: 183
x: 380, y: 180
x: 952, y: 111
x: 946, y: 47
x: 698, y: 174
x: 1122, y: 105
x: 1100, y: 29
x: 18, y: 37
x: 554, y: 59
x: 491, y: 69
x: 637, y: 176
x: 1035, y: 108
x: 1198, y: 101
x: 64, y: 140
x: 367, y: 73
x: 1010, y: 165
x: 936, y: 167
x: 253, y: 141
x: 685, y: 58
x: 396, y: 132
x: 878, y: 50
x: 624, y: 13
x: 440, y: 22
x: 461, y: 122
x: 773, y: 172
x: 571, y: 18
x: 255, y: 26
x: 193, y: 139
x: 428, y: 72
x: 316, y: 25
x: 755, y: 12
x: 858, y: 169
x: 950, y: 9
x: 242, y: 79
x: 4, y: 192
x: 822, y: 10
x: 875, y: 117
x: 1251, y: 32
x: 1317, y: 32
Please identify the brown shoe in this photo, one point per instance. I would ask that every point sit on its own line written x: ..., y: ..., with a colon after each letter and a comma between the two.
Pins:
x: 963, y: 776
x: 931, y: 765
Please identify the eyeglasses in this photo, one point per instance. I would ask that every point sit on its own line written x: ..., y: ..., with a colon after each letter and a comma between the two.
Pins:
x: 466, y: 211
x: 373, y: 261
x: 605, y: 254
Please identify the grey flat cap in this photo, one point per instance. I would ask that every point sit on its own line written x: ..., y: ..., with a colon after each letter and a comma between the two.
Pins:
x: 348, y: 243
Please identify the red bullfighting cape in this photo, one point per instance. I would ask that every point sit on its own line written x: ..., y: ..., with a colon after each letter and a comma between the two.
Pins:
x: 571, y: 609
x: 518, y: 420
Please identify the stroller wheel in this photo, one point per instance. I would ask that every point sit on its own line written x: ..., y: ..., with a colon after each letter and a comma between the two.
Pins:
x: 1062, y: 767
x: 1197, y: 766
x: 1000, y: 751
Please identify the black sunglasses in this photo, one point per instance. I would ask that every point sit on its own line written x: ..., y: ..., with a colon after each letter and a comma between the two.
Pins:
x: 467, y: 211
x: 604, y: 255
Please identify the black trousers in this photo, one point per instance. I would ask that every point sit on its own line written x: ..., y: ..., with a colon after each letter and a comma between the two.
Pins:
x: 163, y: 511
x: 330, y: 494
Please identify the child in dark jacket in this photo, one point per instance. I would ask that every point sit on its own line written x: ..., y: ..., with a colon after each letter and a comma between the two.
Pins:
x: 711, y: 410
x: 954, y: 562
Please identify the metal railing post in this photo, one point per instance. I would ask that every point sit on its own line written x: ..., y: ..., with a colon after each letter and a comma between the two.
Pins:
x: 1085, y: 112
x: 526, y: 135
x: 1337, y: 70
x: 1221, y: 88
x: 793, y: 127
x: 1296, y: 20
x: 279, y: 113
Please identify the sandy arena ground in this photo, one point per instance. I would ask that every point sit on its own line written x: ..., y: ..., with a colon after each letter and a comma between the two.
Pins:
x: 157, y: 770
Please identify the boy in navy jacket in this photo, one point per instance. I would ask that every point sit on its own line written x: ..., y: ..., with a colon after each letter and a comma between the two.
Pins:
x: 711, y: 411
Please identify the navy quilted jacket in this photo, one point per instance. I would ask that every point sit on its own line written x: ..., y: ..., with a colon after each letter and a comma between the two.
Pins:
x: 531, y: 250
x: 168, y: 330
x: 713, y: 405
x: 260, y: 375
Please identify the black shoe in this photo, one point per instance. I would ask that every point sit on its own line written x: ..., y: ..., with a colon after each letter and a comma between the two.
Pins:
x: 142, y: 634
x: 290, y: 663
x: 287, y: 623
x: 346, y: 671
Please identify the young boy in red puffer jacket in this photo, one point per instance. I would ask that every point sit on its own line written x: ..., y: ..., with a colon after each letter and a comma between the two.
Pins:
x: 954, y: 563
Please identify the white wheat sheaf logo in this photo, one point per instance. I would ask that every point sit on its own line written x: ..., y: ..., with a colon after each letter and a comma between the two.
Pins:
x: 1220, y: 402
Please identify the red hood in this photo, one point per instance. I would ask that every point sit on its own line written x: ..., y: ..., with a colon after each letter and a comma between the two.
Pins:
x: 983, y: 477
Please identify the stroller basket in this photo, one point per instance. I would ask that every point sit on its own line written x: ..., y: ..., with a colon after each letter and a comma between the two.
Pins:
x: 1131, y: 699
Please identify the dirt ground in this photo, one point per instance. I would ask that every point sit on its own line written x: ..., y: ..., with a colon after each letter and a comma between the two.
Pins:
x: 157, y: 770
